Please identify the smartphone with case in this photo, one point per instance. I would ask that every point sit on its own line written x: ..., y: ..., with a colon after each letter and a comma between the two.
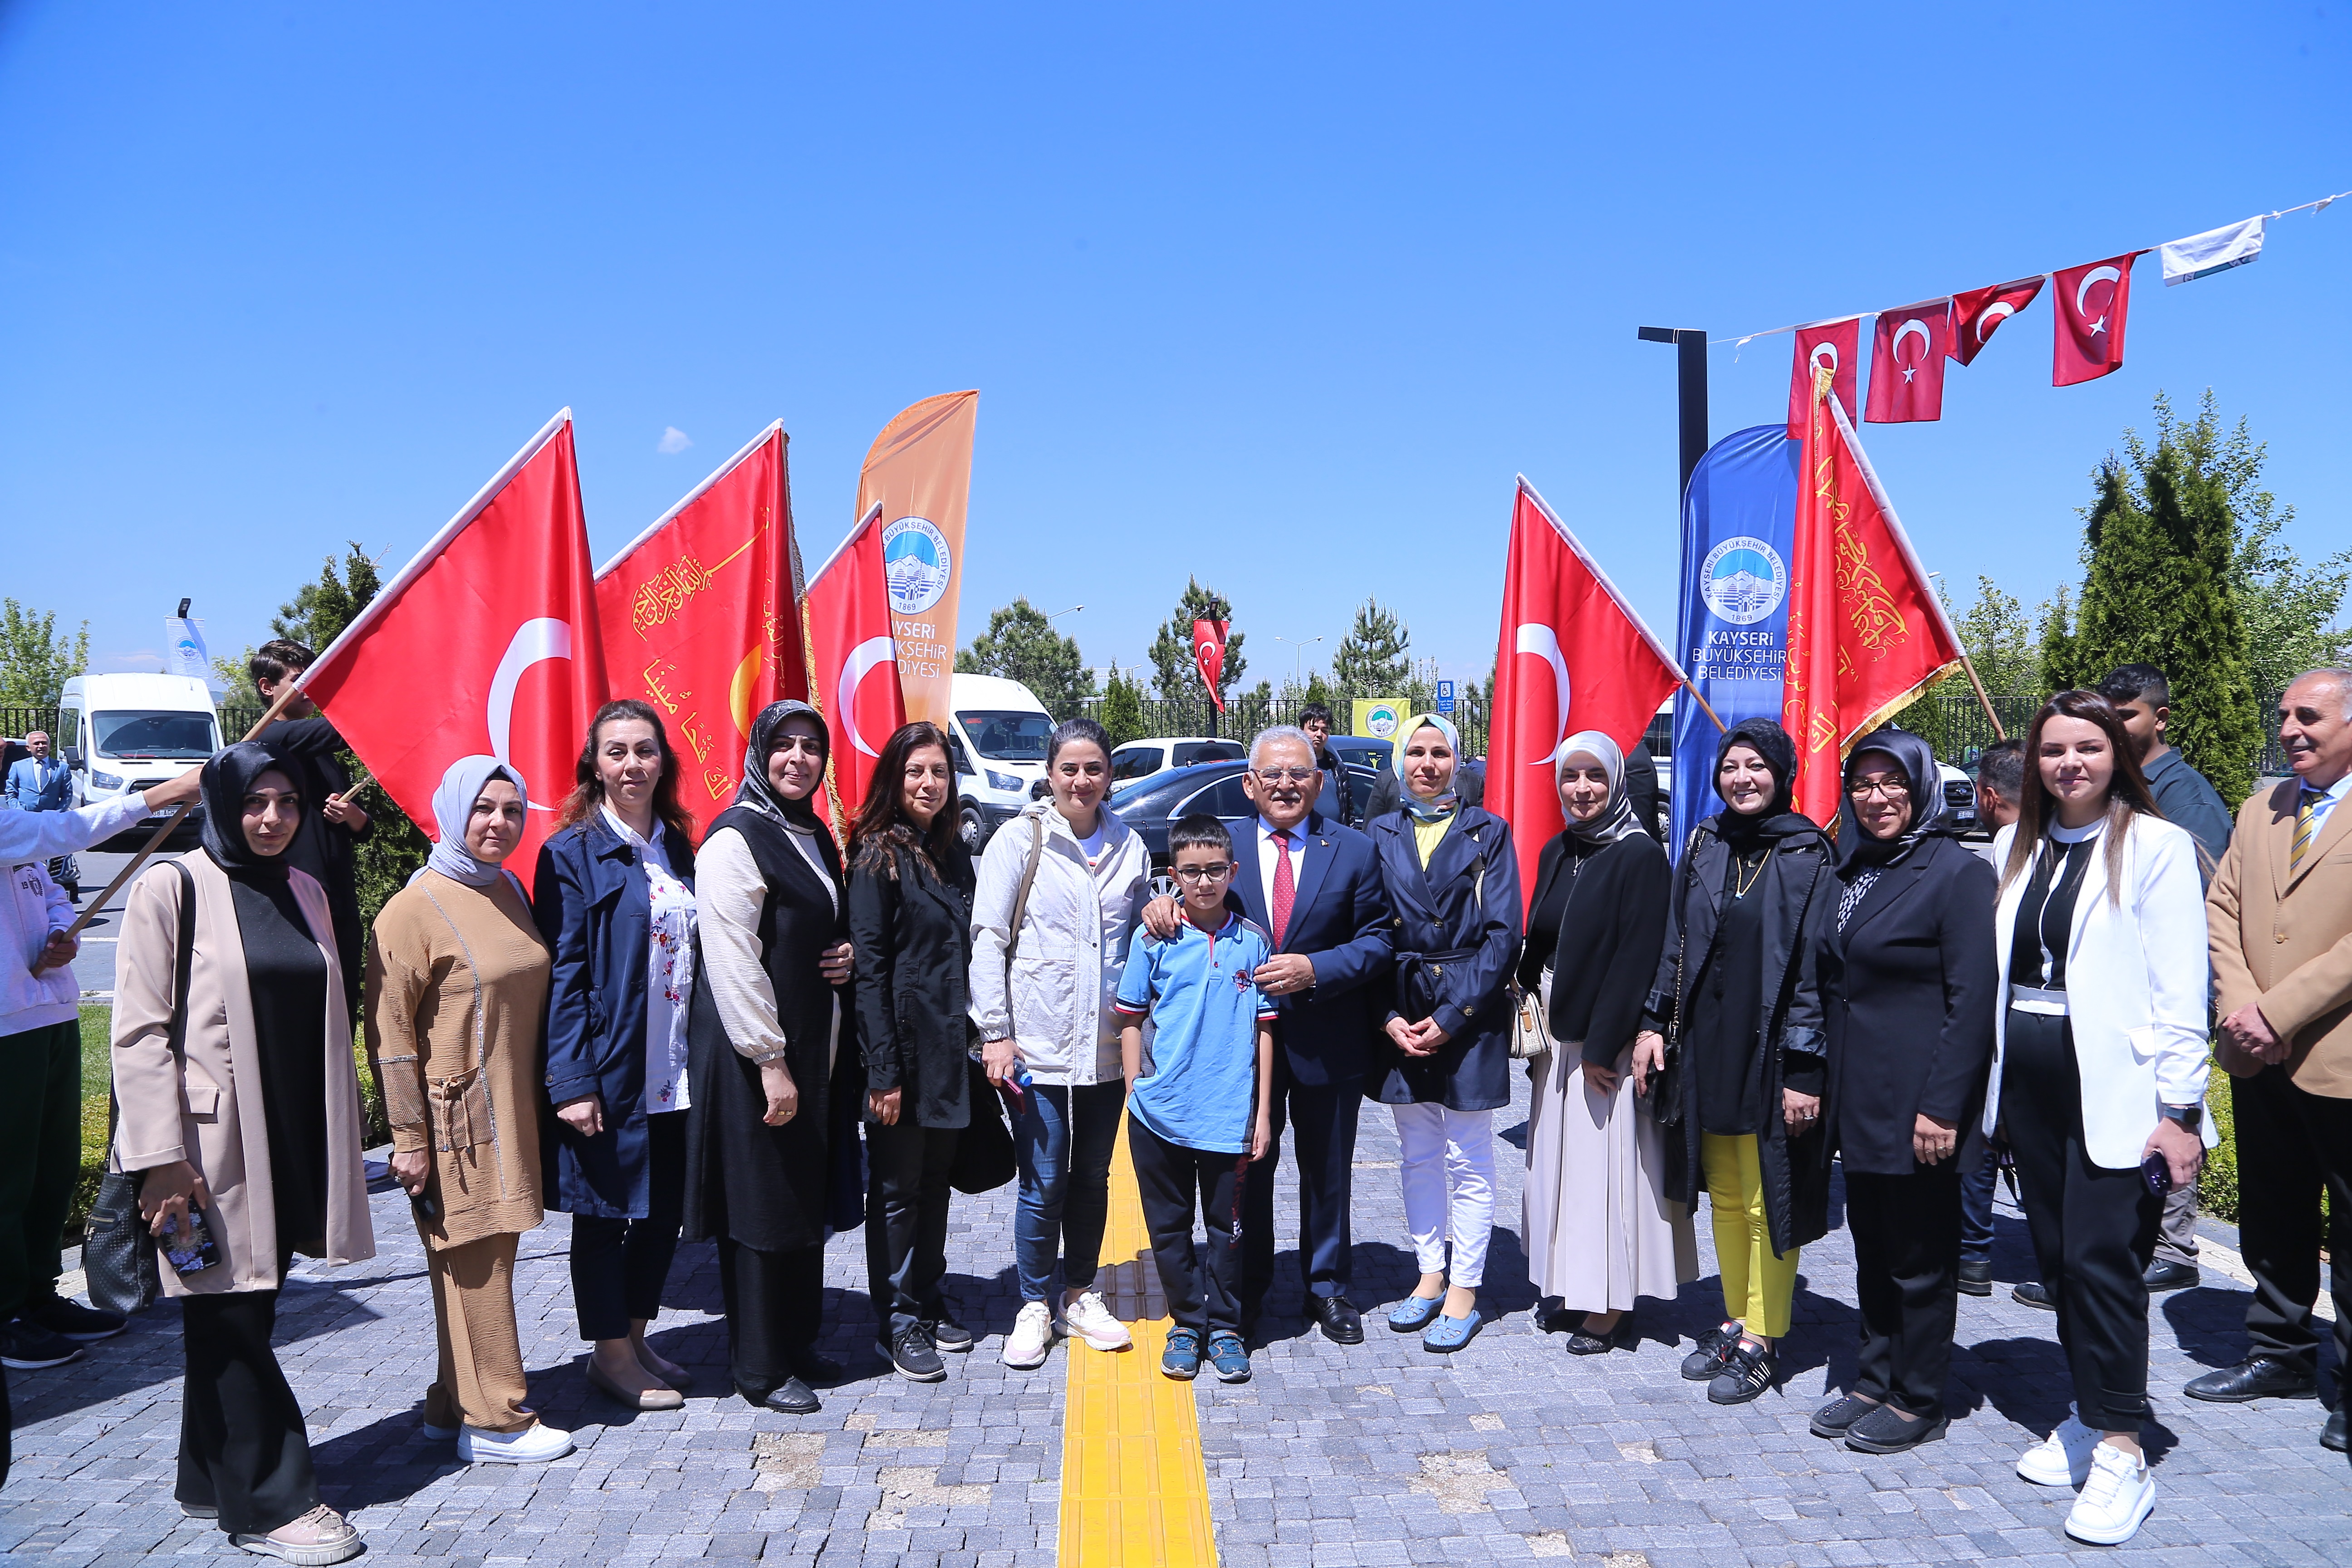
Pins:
x: 2156, y: 1172
x: 187, y: 1243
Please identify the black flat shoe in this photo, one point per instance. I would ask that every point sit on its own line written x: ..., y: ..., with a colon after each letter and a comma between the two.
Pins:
x: 1884, y: 1432
x: 2256, y: 1377
x: 2033, y: 1293
x: 1746, y: 1374
x: 1834, y: 1419
x: 794, y: 1398
x: 1622, y: 1336
x: 1338, y: 1319
x: 2333, y: 1436
x: 1557, y: 1321
x: 2170, y: 1276
x: 1976, y: 1276
x: 1713, y: 1350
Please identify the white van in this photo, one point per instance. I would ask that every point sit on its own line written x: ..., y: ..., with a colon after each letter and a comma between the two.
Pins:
x: 999, y: 731
x: 124, y: 733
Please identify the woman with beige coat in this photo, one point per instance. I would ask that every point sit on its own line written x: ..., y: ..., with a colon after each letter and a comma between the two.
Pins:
x: 240, y: 1105
x: 457, y: 986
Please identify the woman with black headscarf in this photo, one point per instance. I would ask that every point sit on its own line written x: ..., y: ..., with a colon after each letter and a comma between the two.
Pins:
x: 1733, y: 1038
x: 240, y: 1105
x: 1908, y: 989
x: 764, y: 1036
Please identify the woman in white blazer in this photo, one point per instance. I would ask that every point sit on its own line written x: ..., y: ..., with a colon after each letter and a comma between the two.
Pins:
x: 1041, y: 999
x: 2098, y: 1076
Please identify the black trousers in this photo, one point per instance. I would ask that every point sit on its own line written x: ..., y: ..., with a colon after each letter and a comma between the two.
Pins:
x: 243, y: 1446
x: 1907, y: 1259
x: 619, y: 1265
x: 907, y: 1196
x: 2292, y: 1144
x: 1200, y: 1283
x: 1322, y: 1120
x: 2094, y: 1230
x: 775, y: 1304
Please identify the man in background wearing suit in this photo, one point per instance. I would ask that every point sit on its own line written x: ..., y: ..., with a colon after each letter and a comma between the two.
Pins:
x: 40, y: 782
x: 1315, y: 886
x: 2280, y: 914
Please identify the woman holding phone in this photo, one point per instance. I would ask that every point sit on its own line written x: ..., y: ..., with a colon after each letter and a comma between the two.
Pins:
x: 241, y: 1106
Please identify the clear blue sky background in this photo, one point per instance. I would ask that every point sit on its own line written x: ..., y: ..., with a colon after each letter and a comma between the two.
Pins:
x: 1279, y: 296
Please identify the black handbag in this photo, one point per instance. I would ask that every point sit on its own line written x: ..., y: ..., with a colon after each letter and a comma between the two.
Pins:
x: 1666, y: 1085
x: 117, y: 1252
x: 984, y: 1160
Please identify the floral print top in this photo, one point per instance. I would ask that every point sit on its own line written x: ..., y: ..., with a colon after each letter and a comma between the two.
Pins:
x: 669, y: 972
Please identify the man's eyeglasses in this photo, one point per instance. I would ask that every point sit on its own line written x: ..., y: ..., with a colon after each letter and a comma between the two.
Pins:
x: 1884, y: 789
x: 1273, y: 776
x: 1216, y: 873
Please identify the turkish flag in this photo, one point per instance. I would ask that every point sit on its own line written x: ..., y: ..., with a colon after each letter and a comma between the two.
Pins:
x: 486, y: 643
x: 2087, y: 340
x: 1835, y: 346
x: 855, y: 662
x: 1866, y: 634
x: 1573, y: 656
x: 1209, y: 654
x: 1906, y: 362
x: 1978, y: 313
x: 699, y: 618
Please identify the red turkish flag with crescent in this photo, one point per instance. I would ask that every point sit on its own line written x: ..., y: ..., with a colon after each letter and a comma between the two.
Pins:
x: 1979, y: 312
x: 1907, y: 364
x: 2092, y: 300
x: 486, y: 643
x: 699, y: 618
x: 1833, y: 345
x: 1208, y: 655
x: 1573, y: 656
x: 854, y: 663
x: 1866, y: 633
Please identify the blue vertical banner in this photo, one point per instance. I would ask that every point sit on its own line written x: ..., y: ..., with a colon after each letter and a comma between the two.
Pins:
x: 1732, y: 637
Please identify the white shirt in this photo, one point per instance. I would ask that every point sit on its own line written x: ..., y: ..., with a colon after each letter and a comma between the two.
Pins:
x: 669, y: 971
x: 1266, y: 854
x: 2324, y: 804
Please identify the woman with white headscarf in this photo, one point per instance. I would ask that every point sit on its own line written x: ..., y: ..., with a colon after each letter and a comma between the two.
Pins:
x: 1599, y: 1228
x: 456, y: 988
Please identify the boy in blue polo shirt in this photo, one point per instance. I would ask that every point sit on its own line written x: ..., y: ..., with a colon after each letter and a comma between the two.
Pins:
x: 1197, y: 1106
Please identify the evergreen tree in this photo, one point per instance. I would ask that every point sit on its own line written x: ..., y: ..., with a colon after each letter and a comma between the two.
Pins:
x: 1374, y: 659
x: 2056, y: 640
x: 2289, y: 606
x: 1174, y: 672
x: 1120, y: 712
x: 317, y: 613
x: 2161, y: 538
x: 36, y: 658
x: 1022, y: 645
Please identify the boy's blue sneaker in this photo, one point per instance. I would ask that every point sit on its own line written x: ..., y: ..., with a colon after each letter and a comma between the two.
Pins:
x: 1226, y: 1354
x: 1182, y: 1359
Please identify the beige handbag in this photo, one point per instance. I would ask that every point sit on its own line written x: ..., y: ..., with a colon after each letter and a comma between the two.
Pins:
x: 1531, y: 1029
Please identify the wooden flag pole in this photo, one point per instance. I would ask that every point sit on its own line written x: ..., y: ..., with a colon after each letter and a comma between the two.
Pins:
x: 1702, y: 703
x: 286, y: 694
x: 357, y: 785
x: 1982, y: 700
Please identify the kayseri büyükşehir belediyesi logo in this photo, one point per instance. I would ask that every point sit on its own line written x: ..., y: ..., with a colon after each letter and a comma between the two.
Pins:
x: 916, y: 563
x: 1744, y: 580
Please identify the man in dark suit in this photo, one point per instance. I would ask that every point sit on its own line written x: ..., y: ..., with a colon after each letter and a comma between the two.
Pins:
x: 1315, y: 886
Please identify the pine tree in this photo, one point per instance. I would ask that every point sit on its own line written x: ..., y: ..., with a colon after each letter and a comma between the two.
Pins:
x: 1174, y: 672
x: 2160, y: 538
x: 2056, y: 639
x: 317, y: 613
x: 1374, y: 659
x: 1120, y: 712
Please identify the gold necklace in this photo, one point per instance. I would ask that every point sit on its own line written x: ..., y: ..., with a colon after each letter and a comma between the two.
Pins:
x: 1744, y: 882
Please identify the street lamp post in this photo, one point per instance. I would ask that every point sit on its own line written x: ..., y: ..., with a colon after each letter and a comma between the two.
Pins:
x: 1298, y: 666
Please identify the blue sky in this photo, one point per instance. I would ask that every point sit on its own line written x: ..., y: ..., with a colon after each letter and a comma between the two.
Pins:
x: 1280, y: 296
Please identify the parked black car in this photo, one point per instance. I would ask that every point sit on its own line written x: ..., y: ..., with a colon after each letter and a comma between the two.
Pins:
x: 1151, y: 804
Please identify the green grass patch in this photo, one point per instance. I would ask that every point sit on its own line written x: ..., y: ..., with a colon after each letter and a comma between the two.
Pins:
x: 97, y: 1076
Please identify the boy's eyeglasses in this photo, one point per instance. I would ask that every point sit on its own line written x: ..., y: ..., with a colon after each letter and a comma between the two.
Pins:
x: 1271, y: 776
x: 1216, y: 873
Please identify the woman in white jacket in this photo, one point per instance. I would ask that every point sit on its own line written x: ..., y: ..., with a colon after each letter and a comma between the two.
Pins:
x: 1041, y: 997
x: 2099, y: 1076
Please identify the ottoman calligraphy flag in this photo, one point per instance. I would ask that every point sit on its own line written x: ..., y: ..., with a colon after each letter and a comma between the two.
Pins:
x: 854, y: 663
x: 1835, y: 346
x: 1866, y: 634
x: 1977, y: 313
x: 486, y: 643
x: 1906, y: 362
x: 2088, y: 339
x: 699, y: 619
x: 1573, y: 656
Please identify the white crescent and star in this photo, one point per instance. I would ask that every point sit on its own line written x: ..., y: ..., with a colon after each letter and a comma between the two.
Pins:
x: 1542, y: 642
x: 1820, y: 350
x: 2083, y: 292
x: 865, y: 658
x: 1927, y: 345
x: 1991, y: 318
x: 534, y: 641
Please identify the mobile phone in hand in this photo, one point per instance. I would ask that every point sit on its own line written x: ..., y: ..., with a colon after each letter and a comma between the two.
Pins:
x: 427, y: 1207
x: 187, y: 1242
x: 2156, y: 1172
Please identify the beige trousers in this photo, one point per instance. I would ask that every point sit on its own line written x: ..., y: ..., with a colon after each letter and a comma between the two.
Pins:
x: 480, y: 1383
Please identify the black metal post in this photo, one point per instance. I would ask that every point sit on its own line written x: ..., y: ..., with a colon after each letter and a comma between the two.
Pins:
x: 1690, y: 366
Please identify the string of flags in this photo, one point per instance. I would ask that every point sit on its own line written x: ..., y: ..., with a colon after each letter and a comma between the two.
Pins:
x: 2091, y: 305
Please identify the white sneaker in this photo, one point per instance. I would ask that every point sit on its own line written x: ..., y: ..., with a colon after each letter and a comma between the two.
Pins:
x: 1090, y: 1319
x: 2116, y: 1500
x: 534, y: 1445
x: 2062, y: 1458
x: 1032, y: 1335
x: 433, y: 1433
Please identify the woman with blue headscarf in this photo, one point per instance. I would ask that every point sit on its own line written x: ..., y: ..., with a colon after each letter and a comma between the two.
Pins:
x: 1443, y: 1064
x: 456, y: 989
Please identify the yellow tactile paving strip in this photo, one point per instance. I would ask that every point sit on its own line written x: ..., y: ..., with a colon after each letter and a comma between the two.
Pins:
x: 1134, y: 1490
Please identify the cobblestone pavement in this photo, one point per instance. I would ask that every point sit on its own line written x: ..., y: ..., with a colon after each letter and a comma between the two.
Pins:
x: 1374, y: 1454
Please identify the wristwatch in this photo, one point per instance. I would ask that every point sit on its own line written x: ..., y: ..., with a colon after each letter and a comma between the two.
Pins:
x: 2191, y: 1117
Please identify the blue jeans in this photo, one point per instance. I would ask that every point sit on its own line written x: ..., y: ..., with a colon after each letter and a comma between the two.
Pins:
x: 1975, y: 1210
x: 1064, y: 1137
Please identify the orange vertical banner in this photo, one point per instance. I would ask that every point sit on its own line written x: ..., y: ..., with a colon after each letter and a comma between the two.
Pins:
x: 700, y: 619
x: 919, y: 471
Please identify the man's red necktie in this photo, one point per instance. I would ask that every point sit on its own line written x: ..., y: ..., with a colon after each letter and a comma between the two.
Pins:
x: 1285, y: 888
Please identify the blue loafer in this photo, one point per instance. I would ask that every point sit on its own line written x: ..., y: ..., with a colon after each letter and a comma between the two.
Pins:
x: 1411, y: 1315
x: 1451, y: 1333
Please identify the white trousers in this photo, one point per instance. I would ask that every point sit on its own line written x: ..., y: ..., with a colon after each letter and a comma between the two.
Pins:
x: 1447, y: 1160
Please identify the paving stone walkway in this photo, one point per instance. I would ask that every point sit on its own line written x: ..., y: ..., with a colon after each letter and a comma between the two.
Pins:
x: 1333, y: 1456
